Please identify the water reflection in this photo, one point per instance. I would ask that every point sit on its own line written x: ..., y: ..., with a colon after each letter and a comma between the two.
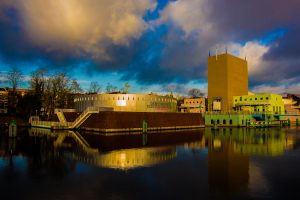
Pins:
x: 268, y: 142
x: 121, y: 151
x: 229, y: 151
x: 227, y: 163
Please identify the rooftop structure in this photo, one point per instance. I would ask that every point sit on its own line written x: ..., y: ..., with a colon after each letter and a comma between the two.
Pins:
x: 227, y: 77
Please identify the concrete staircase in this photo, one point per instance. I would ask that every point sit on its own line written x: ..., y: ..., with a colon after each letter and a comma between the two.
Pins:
x: 81, y: 118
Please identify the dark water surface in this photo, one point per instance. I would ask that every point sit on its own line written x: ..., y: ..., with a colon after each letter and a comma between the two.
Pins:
x: 233, y: 163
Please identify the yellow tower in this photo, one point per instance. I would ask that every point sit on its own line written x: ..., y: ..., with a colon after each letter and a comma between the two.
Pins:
x: 227, y: 77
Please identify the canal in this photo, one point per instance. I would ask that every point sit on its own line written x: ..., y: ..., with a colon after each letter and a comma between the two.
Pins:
x: 229, y: 163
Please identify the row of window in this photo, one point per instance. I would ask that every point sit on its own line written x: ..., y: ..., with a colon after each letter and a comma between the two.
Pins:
x: 95, y: 99
x: 225, y: 122
x: 193, y: 102
x: 250, y: 99
x: 275, y: 109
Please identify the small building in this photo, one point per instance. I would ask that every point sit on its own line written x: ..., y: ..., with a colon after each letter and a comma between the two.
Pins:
x: 193, y: 105
x: 292, y: 107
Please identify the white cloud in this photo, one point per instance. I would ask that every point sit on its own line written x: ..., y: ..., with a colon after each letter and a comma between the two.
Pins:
x: 190, y: 15
x: 253, y: 51
x: 194, y: 16
x: 278, y: 89
x: 88, y: 26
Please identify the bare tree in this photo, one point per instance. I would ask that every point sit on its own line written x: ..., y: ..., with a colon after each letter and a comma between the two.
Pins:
x: 14, y: 77
x: 38, y: 81
x: 37, y: 84
x: 109, y: 87
x: 127, y: 86
x: 56, y: 92
x: 94, y: 87
x: 75, y: 87
x: 194, y: 92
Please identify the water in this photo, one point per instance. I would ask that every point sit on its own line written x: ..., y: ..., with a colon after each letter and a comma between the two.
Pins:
x: 228, y: 163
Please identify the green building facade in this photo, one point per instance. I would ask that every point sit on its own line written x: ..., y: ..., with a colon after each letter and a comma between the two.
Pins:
x: 260, y: 103
x: 227, y: 119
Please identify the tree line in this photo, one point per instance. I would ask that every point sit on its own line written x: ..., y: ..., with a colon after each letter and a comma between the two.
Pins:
x: 57, y: 90
x: 47, y: 92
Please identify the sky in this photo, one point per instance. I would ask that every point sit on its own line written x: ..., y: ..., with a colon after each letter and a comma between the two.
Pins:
x: 154, y: 45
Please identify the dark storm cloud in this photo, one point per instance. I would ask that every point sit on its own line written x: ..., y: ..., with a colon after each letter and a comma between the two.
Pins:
x: 234, y: 21
x: 15, y: 47
x: 246, y: 20
x: 157, y: 59
x: 172, y: 49
x: 287, y: 46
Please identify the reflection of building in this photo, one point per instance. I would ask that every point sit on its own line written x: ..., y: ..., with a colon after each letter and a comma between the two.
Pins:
x: 228, y: 156
x: 193, y: 105
x: 271, y: 142
x: 268, y: 103
x: 227, y: 77
x: 127, y: 102
x: 3, y: 100
x: 130, y: 158
x: 122, y: 151
x: 227, y: 171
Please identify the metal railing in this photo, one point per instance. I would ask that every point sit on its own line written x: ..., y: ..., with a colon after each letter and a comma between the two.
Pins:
x: 50, y: 124
x: 239, y: 112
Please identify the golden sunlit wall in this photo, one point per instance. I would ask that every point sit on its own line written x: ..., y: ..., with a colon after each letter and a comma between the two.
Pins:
x: 127, y: 102
x: 227, y: 77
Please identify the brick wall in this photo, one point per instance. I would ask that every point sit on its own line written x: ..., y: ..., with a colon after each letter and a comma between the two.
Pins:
x: 118, y: 120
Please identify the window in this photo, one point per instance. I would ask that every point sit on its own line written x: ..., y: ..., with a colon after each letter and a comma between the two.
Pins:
x: 235, y: 100
x: 230, y: 121
x: 261, y: 98
x: 245, y: 99
x: 224, y: 121
x: 250, y: 99
x: 212, y: 121
x: 218, y: 121
x: 255, y: 98
x: 242, y: 121
x: 240, y: 98
x: 267, y: 98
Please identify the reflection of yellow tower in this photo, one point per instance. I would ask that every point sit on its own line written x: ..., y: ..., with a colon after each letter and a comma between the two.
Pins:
x: 227, y: 171
x: 227, y: 77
